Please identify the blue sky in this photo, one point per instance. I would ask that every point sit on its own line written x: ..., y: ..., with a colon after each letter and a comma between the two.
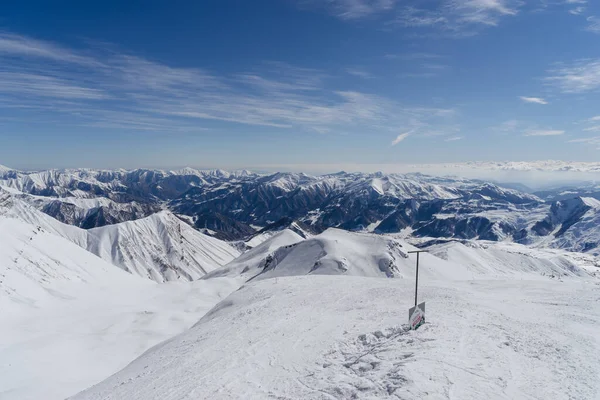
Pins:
x: 251, y: 84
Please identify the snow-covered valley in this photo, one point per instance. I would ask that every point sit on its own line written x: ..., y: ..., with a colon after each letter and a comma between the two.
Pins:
x: 159, y: 307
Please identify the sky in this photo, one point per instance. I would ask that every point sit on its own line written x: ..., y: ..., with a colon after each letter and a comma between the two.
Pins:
x: 245, y: 84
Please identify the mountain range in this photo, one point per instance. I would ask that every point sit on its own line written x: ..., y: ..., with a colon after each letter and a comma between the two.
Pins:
x: 249, y: 304
x: 235, y: 206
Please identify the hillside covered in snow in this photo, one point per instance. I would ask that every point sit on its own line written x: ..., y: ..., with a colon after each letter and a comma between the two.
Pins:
x: 160, y: 247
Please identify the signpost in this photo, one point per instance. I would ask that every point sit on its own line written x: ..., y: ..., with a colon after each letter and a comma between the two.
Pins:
x: 416, y: 315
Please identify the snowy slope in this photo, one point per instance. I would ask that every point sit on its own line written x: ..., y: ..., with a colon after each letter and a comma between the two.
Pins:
x: 160, y: 247
x: 252, y: 261
x: 69, y: 319
x: 497, y: 260
x: 35, y: 264
x: 338, y: 252
x: 326, y: 337
x: 582, y: 234
x: 12, y: 206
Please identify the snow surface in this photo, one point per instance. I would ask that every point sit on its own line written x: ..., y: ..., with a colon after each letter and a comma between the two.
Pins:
x: 69, y: 319
x: 330, y: 337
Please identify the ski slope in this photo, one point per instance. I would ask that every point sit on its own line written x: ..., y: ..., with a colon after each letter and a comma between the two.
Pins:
x: 332, y: 337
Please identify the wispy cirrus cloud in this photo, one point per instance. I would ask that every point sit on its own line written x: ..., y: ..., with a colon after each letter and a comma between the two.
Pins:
x: 119, y: 90
x: 593, y: 24
x: 535, y: 100
x: 595, y: 128
x: 578, y: 77
x: 359, y: 72
x: 413, y: 56
x: 593, y: 141
x: 351, y: 9
x: 454, y: 138
x: 577, y: 10
x: 548, y: 132
x: 23, y: 46
x: 457, y: 17
x: 401, y: 137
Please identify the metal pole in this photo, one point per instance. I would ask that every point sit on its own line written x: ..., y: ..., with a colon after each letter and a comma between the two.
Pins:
x: 417, y: 279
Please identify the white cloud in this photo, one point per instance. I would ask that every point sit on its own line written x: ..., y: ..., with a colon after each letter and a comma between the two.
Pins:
x: 536, y: 100
x: 401, y: 137
x: 577, y: 10
x: 45, y: 86
x: 594, y: 24
x: 592, y: 129
x: 458, y: 17
x: 137, y: 93
x: 351, y: 9
x: 544, y: 133
x: 507, y: 127
x: 593, y: 141
x: 412, y: 56
x: 454, y: 138
x: 594, y: 119
x: 578, y: 77
x: 17, y: 45
x: 359, y: 72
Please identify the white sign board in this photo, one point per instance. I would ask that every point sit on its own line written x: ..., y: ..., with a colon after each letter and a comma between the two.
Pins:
x: 416, y: 316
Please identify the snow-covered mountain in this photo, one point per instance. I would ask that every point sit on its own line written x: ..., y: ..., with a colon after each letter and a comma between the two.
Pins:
x: 348, y: 201
x: 69, y: 319
x: 572, y: 224
x: 36, y: 265
x: 289, y: 331
x: 89, y: 212
x: 218, y: 199
x: 119, y: 185
x: 242, y: 206
x: 502, y: 260
x: 338, y: 252
x: 160, y: 247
